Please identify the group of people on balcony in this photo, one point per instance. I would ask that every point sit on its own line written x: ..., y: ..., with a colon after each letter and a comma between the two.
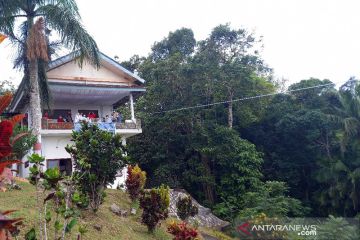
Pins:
x: 60, y: 118
x: 115, y: 117
x: 82, y: 117
x: 107, y: 123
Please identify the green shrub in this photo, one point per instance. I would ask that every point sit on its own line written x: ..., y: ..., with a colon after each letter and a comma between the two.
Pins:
x: 98, y: 155
x: 185, y: 208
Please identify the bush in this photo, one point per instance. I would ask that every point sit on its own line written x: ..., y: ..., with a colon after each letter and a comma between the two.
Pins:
x: 25, y: 143
x: 272, y: 200
x: 182, y: 232
x: 98, y: 155
x: 185, y: 208
x: 135, y: 182
x: 155, y: 204
x: 338, y: 228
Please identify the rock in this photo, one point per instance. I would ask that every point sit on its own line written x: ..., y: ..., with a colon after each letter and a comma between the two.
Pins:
x: 115, y: 209
x: 123, y: 213
x: 118, y: 211
x: 133, y: 211
x: 98, y: 227
x: 204, y: 218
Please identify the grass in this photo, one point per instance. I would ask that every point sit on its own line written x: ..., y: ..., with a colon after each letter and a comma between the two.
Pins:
x: 113, y: 227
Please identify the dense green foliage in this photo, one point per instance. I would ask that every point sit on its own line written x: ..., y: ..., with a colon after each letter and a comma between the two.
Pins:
x: 305, y: 143
x: 23, y: 144
x: 272, y: 199
x: 97, y: 157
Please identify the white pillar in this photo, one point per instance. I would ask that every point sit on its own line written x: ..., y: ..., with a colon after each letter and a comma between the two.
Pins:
x: 123, y: 141
x: 132, y: 107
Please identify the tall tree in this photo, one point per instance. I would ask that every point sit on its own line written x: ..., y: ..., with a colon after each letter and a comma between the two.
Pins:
x: 179, y: 148
x: 233, y: 63
x: 58, y: 15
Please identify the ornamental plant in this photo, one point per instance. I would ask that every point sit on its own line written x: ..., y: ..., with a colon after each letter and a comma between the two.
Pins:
x: 135, y: 182
x: 9, y: 226
x: 181, y: 231
x: 51, y: 186
x: 185, y: 208
x: 155, y: 204
x: 6, y: 143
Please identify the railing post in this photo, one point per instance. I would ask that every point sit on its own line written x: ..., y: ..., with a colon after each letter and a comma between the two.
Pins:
x: 132, y: 107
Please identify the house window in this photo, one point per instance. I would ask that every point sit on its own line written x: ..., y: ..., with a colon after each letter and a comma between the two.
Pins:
x: 64, y: 165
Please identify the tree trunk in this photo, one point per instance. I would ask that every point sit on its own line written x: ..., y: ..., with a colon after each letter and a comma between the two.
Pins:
x: 230, y: 111
x: 208, y: 189
x: 35, y: 104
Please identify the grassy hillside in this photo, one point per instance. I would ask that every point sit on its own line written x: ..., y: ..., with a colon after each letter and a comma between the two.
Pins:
x: 113, y: 226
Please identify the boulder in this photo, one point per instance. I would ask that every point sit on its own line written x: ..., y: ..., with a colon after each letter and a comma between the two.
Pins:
x: 115, y: 209
x: 123, y: 213
x: 204, y: 218
x: 118, y: 211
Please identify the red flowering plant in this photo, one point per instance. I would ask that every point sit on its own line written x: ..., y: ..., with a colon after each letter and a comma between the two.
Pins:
x: 135, y: 182
x: 6, y: 131
x: 8, y: 226
x: 181, y: 231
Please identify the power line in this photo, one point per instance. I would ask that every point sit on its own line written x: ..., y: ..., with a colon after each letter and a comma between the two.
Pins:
x: 243, y: 99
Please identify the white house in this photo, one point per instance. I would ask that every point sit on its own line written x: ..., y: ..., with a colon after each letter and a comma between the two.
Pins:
x: 84, y: 90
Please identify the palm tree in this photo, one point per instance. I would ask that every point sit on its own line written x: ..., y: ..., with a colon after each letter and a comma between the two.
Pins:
x: 17, y: 19
x: 347, y: 111
x: 343, y: 173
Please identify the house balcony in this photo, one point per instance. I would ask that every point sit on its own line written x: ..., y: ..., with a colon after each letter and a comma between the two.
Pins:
x: 50, y: 127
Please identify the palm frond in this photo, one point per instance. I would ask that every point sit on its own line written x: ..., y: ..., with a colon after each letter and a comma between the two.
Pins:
x: 10, y: 8
x: 73, y: 34
x: 351, y: 126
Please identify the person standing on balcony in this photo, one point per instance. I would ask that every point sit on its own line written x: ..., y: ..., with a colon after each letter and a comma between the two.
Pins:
x: 119, y: 118
x: 69, y: 117
x: 115, y: 116
x: 78, y: 117
x: 108, y: 119
x: 60, y: 119
x: 46, y: 116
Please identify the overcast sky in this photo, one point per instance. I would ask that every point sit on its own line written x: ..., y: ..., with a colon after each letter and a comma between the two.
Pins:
x: 302, y: 38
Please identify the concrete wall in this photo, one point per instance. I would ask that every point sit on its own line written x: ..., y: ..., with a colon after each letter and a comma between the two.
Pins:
x: 72, y: 71
x: 54, y: 148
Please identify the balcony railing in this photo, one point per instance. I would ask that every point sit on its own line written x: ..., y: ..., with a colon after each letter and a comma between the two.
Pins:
x: 52, y: 124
